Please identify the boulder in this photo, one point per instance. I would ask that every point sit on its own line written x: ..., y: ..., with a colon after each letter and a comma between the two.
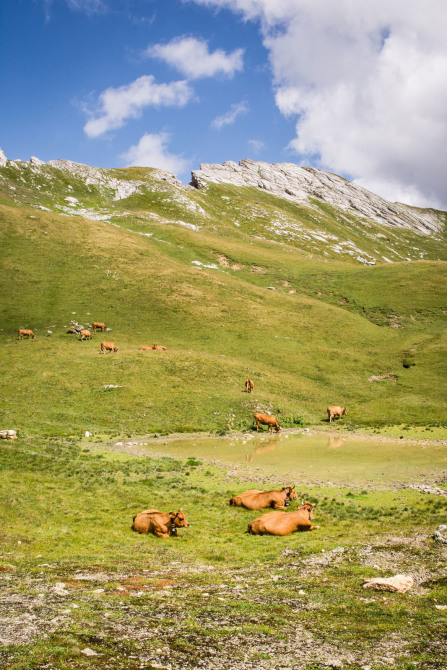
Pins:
x: 3, y: 159
x: 396, y: 584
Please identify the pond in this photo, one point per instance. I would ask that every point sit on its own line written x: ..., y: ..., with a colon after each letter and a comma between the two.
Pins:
x: 318, y: 457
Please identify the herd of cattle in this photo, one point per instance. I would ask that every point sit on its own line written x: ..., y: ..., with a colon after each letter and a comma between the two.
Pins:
x: 165, y: 524
x: 87, y: 335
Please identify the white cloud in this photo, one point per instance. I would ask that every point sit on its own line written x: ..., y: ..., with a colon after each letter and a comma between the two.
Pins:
x: 256, y: 145
x: 191, y: 57
x: 366, y: 83
x: 127, y: 102
x: 230, y: 117
x: 151, y: 151
x: 88, y: 7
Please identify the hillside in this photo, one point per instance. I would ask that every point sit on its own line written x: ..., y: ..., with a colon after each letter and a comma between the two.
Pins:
x: 308, y: 298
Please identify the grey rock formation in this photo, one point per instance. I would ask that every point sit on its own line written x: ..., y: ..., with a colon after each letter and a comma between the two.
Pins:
x: 302, y: 184
x: 3, y: 159
x: 123, y: 188
x: 36, y: 161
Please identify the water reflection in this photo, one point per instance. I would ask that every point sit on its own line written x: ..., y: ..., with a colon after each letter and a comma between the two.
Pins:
x: 262, y: 448
x: 335, y: 441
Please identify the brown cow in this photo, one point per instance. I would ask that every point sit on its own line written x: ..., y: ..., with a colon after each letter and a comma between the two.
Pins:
x: 145, y: 348
x: 280, y: 523
x: 249, y: 386
x: 98, y: 325
x: 333, y: 412
x: 161, y: 524
x: 267, y: 420
x: 86, y: 335
x: 108, y: 346
x: 27, y: 332
x: 158, y: 347
x: 255, y: 499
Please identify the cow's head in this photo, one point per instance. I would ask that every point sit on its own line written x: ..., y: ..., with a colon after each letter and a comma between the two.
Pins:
x: 290, y: 493
x: 115, y: 348
x: 343, y: 411
x: 309, y: 508
x: 277, y: 427
x: 178, y: 519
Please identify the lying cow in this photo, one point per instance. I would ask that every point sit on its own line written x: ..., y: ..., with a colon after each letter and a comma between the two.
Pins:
x: 249, y: 386
x: 267, y: 420
x: 86, y: 335
x: 280, y: 523
x: 26, y: 332
x: 161, y: 524
x: 108, y: 346
x: 98, y: 325
x: 158, y: 347
x: 255, y: 499
x: 334, y: 412
x: 145, y: 348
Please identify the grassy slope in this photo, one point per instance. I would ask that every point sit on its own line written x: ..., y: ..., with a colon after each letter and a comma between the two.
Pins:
x: 219, y: 327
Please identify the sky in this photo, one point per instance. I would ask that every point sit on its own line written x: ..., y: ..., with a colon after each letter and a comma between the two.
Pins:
x: 355, y: 87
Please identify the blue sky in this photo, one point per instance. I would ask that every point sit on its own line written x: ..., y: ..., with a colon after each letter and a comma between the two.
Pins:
x: 356, y: 88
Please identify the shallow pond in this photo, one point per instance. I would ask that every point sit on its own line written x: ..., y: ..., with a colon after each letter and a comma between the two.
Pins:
x: 319, y: 457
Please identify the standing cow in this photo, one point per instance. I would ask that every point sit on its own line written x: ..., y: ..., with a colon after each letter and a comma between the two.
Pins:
x: 249, y: 386
x: 267, y: 420
x: 86, y: 335
x: 334, y: 412
x: 98, y: 325
x: 108, y: 346
x: 25, y: 332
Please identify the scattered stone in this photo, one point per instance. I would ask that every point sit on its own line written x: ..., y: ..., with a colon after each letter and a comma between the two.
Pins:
x: 8, y: 434
x: 441, y: 607
x: 396, y: 584
x: 425, y: 488
x: 437, y: 535
x: 88, y: 434
x: 60, y: 589
x: 111, y: 386
x: 89, y: 652
x: 379, y: 378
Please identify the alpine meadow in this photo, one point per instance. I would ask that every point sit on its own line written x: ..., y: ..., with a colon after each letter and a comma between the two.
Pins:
x: 322, y: 294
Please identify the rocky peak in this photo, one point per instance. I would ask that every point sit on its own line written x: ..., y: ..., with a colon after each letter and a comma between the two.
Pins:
x: 302, y: 184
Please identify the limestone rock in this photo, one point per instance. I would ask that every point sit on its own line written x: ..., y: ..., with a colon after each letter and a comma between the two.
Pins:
x: 396, y: 584
x: 301, y: 184
x: 36, y: 161
x: 3, y: 159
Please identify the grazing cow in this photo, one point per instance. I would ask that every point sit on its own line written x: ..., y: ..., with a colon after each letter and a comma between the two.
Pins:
x: 280, y: 523
x: 333, y: 412
x: 267, y: 420
x: 249, y: 386
x: 86, y: 335
x: 108, y: 346
x: 97, y: 325
x: 158, y: 347
x: 255, y: 499
x: 27, y: 332
x: 161, y: 524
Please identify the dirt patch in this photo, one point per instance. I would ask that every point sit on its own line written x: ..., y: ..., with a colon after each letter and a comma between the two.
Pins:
x: 258, y: 269
x: 226, y: 262
x: 380, y: 378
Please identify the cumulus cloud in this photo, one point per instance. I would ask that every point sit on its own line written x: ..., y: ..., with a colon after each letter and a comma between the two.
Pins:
x: 230, y: 117
x: 193, y: 59
x: 366, y: 84
x: 151, y: 151
x: 116, y: 105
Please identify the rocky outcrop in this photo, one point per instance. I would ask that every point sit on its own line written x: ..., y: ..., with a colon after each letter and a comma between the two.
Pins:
x: 123, y: 188
x: 302, y: 184
x: 3, y: 159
